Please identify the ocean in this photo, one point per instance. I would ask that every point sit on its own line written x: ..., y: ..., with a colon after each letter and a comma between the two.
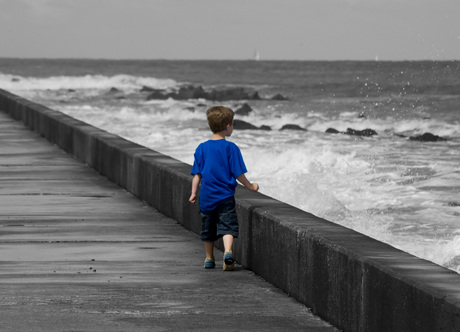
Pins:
x: 388, y: 186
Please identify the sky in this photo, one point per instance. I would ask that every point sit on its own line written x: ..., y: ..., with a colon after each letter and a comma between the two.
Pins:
x: 223, y: 29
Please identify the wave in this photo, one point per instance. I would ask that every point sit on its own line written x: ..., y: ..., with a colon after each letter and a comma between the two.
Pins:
x: 272, y: 115
x: 98, y: 82
x: 386, y: 127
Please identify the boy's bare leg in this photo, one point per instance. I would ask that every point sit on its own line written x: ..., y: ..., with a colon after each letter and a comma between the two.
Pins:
x: 209, y: 248
x: 229, y: 262
x: 228, y: 242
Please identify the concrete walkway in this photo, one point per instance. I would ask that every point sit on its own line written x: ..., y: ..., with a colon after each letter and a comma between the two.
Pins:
x: 78, y: 253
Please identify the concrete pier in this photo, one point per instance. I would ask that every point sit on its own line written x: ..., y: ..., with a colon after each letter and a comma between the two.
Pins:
x: 79, y: 253
x: 352, y: 281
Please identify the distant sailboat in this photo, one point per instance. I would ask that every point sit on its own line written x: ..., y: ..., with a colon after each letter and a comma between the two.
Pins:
x: 256, y: 55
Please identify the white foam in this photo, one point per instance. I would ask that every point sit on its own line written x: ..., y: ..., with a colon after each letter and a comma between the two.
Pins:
x: 88, y: 82
x: 378, y: 186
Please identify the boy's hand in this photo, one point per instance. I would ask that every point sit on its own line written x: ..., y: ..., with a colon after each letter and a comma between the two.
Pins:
x: 192, y: 198
x: 253, y: 187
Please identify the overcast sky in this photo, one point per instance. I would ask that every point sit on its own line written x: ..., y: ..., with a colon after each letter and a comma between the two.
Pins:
x: 231, y: 29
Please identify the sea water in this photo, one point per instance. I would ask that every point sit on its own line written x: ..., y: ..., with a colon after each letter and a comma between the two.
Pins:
x: 402, y: 192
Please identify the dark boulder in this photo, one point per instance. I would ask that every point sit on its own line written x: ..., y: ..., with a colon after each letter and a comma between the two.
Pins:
x: 427, y: 137
x: 243, y: 125
x: 292, y: 127
x: 157, y: 94
x: 366, y: 132
x: 147, y: 89
x: 332, y: 131
x: 197, y: 92
x: 279, y: 96
x: 231, y: 94
x: 245, y: 109
x: 189, y: 92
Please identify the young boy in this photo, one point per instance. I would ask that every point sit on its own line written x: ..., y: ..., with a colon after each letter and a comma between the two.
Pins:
x: 218, y: 163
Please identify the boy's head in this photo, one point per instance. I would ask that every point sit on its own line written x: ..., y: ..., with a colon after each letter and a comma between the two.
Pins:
x: 219, y: 117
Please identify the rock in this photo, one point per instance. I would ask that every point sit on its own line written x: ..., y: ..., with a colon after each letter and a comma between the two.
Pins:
x: 114, y: 90
x: 365, y: 132
x: 427, y: 137
x: 350, y: 131
x: 245, y: 109
x: 232, y: 94
x: 243, y: 125
x: 146, y: 89
x: 278, y: 96
x: 157, y: 94
x: 190, y: 92
x: 197, y: 92
x: 255, y: 96
x: 332, y: 131
x: 292, y: 127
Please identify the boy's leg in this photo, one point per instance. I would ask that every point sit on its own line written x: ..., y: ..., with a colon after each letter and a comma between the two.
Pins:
x: 227, y: 227
x: 229, y: 261
x: 209, y: 262
x: 228, y: 242
x: 209, y: 248
x: 208, y: 236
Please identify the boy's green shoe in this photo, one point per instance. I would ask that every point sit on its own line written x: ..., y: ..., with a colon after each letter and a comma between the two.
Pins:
x: 209, y: 263
x: 229, y: 262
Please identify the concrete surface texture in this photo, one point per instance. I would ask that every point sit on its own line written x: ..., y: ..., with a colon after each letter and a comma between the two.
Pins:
x: 79, y: 253
x: 354, y: 282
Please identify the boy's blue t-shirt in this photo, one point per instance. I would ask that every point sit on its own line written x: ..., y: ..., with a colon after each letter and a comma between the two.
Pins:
x: 219, y: 162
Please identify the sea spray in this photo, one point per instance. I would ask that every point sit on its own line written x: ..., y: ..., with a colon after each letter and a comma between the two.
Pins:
x: 402, y: 192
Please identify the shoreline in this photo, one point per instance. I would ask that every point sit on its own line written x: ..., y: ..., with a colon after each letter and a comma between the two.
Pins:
x: 353, y: 281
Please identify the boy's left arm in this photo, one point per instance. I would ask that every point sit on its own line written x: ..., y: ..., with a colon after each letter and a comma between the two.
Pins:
x: 251, y: 186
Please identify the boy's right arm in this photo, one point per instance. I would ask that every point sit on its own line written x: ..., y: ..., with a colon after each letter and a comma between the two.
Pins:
x: 195, y: 183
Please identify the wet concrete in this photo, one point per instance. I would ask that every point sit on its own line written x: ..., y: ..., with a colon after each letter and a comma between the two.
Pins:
x: 79, y: 253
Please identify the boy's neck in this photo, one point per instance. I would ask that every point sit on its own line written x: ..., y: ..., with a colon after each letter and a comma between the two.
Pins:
x: 217, y: 136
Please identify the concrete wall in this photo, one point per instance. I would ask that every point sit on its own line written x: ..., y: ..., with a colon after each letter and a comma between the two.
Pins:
x: 351, y: 280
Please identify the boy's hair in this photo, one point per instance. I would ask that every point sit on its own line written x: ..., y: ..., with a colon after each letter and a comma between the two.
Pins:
x: 219, y: 117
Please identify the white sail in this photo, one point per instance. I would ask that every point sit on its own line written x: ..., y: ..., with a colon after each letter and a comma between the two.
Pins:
x: 256, y: 55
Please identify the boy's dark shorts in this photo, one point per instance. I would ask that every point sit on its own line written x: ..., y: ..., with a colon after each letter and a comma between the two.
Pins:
x: 220, y: 221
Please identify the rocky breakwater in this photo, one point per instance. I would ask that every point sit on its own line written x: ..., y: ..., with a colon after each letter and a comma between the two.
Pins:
x: 189, y: 92
x: 198, y: 92
x: 426, y: 137
x: 366, y: 132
